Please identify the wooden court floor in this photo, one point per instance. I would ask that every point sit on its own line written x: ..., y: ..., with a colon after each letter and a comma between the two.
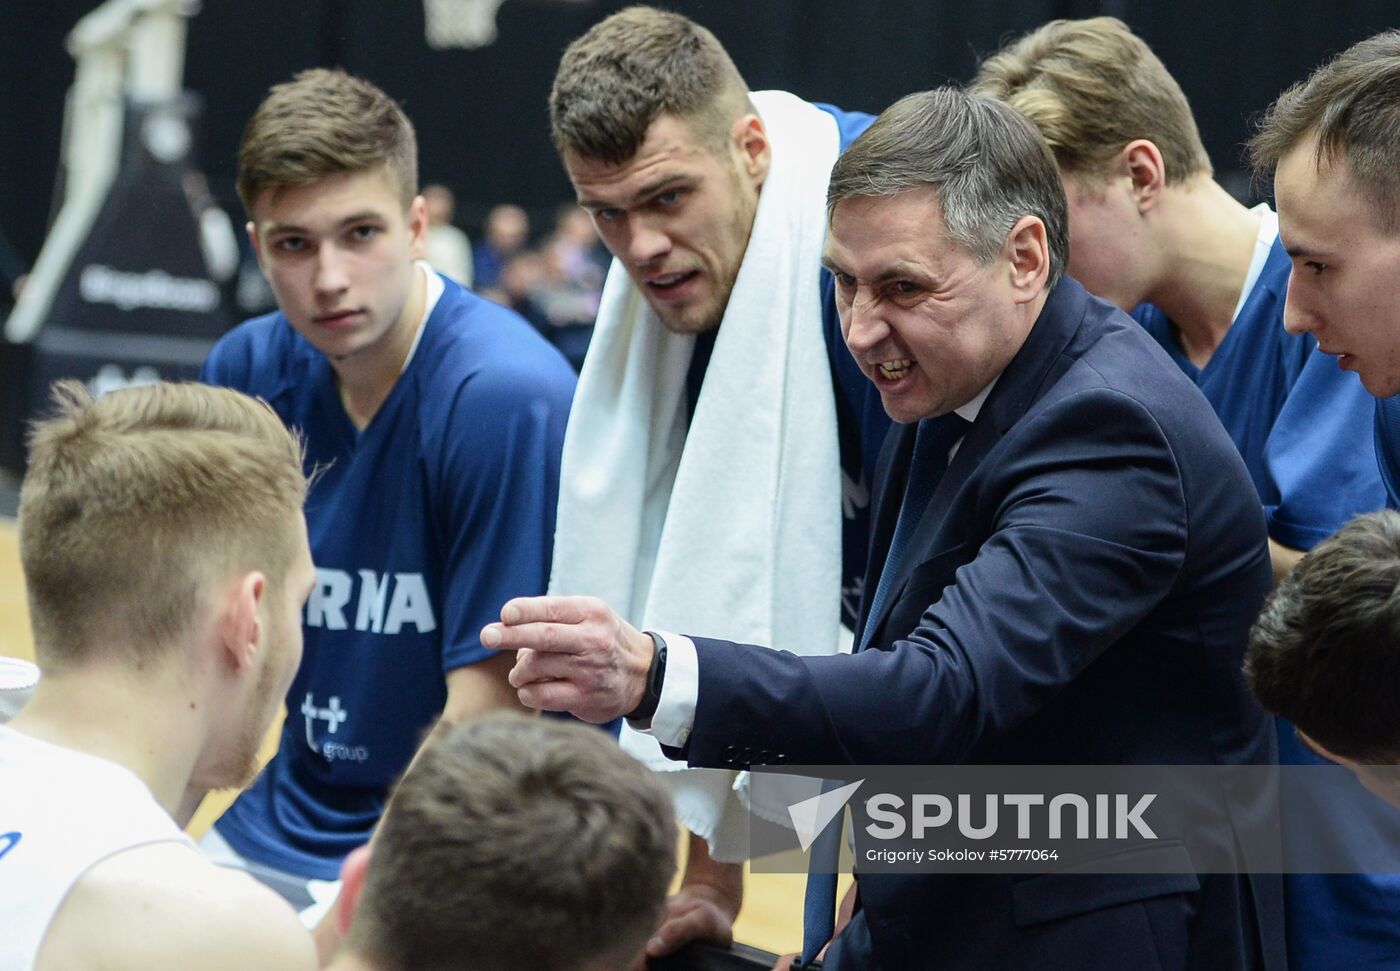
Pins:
x: 772, y: 914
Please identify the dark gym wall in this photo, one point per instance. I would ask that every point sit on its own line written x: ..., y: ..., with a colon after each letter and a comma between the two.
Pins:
x: 481, y: 114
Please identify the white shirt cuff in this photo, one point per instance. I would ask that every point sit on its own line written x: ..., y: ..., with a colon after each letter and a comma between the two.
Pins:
x: 680, y: 689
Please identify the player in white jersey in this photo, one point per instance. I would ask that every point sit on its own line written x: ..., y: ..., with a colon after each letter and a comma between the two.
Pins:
x: 166, y: 562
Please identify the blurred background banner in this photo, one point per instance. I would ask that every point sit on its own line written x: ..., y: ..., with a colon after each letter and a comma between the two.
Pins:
x: 130, y: 283
x: 150, y: 253
x: 481, y: 112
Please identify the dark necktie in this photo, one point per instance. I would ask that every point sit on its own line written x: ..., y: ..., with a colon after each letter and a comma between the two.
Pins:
x: 933, y: 440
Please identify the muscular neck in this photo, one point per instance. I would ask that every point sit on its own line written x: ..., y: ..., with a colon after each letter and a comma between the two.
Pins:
x: 147, y: 721
x: 365, y: 379
x: 1209, y: 239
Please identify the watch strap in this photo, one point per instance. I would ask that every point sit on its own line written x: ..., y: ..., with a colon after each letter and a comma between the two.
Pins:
x: 656, y: 674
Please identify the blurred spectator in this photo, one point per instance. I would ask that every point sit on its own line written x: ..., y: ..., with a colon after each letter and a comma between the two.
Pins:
x: 529, y: 287
x: 583, y: 259
x: 507, y: 230
x: 521, y: 278
x: 557, y: 287
x: 447, y: 249
x: 575, y: 265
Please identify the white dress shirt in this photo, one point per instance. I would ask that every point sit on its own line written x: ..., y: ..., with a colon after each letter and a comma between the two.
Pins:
x: 680, y: 688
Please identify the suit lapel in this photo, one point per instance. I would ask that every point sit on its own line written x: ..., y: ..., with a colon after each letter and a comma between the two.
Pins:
x: 1039, y: 362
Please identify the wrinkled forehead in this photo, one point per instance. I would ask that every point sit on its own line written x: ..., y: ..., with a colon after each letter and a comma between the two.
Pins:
x: 860, y: 226
x: 671, y: 145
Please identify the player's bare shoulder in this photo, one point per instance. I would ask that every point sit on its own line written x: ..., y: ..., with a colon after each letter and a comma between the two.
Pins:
x: 166, y: 907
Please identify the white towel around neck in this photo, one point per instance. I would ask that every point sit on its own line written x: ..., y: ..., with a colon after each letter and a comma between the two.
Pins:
x: 734, y: 529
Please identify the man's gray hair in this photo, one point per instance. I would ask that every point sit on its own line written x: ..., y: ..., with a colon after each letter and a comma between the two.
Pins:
x: 990, y: 165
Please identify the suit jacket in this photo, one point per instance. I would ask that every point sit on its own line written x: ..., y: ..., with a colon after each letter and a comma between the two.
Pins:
x: 1078, y: 591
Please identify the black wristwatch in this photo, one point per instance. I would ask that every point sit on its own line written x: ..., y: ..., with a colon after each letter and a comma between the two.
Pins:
x: 655, y: 675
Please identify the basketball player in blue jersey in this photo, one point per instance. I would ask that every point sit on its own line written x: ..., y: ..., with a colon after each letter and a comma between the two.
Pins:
x: 434, y: 420
x: 1152, y: 231
x: 718, y: 328
x: 1333, y: 144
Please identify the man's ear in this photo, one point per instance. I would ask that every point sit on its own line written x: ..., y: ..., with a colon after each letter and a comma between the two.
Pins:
x: 352, y: 881
x: 1027, y: 250
x: 240, y: 619
x: 750, y: 138
x: 418, y: 226
x: 1141, y: 161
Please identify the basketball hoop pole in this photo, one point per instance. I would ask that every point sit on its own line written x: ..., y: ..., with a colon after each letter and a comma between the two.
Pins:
x: 124, y: 48
x: 463, y: 24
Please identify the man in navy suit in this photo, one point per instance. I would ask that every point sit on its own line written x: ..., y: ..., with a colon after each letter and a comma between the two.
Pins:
x: 1077, y: 587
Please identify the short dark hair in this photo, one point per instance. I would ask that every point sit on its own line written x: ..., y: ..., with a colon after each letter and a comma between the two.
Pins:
x: 514, y: 844
x: 989, y: 164
x: 322, y: 123
x: 1352, y: 105
x: 1325, y: 651
x: 631, y: 68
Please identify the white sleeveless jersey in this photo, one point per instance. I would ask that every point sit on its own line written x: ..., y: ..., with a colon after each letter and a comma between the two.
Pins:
x: 61, y: 812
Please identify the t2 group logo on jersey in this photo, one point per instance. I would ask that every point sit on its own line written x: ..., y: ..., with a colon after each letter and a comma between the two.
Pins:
x: 334, y: 716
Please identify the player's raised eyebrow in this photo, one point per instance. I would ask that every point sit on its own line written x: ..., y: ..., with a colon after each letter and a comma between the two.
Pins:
x: 645, y: 193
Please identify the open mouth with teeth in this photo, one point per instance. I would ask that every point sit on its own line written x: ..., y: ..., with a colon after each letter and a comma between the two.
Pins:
x: 894, y: 370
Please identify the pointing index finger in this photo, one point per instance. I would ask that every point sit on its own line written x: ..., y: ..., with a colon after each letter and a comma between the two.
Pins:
x: 541, y: 637
x: 556, y: 625
x: 552, y: 610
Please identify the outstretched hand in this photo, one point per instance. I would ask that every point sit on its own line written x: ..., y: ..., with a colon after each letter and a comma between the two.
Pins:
x: 573, y: 654
x: 705, y: 906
